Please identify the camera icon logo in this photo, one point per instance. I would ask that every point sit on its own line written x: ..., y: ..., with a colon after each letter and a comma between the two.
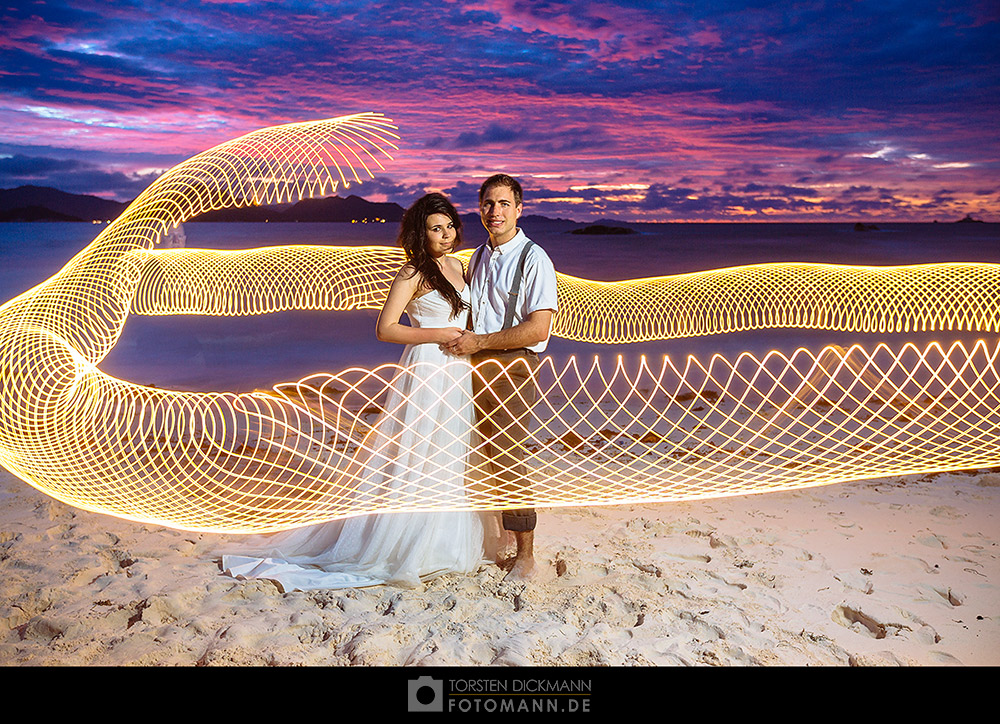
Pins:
x: 425, y: 694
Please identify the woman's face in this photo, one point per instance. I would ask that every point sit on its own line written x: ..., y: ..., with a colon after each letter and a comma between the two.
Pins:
x: 441, y: 235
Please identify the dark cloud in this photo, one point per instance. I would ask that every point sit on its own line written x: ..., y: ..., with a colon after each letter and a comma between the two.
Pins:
x: 72, y: 175
x: 494, y: 133
x: 532, y: 138
x: 380, y: 186
x: 465, y: 195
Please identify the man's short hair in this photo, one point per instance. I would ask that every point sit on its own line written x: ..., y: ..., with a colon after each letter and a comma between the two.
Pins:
x: 502, y: 179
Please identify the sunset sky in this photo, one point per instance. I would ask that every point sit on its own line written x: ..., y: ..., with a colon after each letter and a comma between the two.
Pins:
x: 657, y: 111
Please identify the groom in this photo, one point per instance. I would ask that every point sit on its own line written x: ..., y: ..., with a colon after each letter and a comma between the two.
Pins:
x: 513, y: 299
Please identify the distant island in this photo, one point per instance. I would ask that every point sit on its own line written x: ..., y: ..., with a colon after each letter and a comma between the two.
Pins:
x: 969, y: 220
x: 603, y: 230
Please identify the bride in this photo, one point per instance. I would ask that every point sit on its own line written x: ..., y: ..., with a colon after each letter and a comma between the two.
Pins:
x: 427, y: 426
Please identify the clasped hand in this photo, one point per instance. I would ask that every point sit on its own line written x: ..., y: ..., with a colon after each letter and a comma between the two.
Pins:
x: 463, y: 345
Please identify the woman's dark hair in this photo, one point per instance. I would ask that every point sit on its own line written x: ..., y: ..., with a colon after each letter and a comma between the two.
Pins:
x: 413, y: 239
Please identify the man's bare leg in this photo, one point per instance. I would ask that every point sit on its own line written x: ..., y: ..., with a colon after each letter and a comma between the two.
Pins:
x: 524, y: 567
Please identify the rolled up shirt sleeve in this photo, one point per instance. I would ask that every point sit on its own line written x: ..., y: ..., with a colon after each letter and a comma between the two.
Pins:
x: 538, y: 288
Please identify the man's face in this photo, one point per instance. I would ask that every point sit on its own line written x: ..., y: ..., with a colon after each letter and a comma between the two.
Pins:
x: 500, y: 212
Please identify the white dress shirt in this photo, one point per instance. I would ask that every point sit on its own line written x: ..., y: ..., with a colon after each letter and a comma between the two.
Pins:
x: 492, y: 279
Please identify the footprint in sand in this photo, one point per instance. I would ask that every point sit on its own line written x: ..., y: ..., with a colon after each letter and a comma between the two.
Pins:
x: 953, y: 597
x: 515, y: 651
x: 853, y: 618
x: 859, y: 622
x: 932, y: 540
x: 922, y: 564
x: 727, y: 586
x: 649, y: 568
x: 578, y: 573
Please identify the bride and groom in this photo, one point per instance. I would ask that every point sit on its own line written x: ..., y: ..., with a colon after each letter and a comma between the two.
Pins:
x: 435, y: 403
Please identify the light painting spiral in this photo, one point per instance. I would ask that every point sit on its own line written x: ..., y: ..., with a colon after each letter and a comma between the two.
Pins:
x: 603, y: 434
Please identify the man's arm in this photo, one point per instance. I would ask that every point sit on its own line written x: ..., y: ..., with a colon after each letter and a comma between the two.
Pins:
x: 534, y: 329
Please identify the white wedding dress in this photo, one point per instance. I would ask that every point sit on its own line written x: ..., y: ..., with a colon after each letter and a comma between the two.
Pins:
x: 428, y: 425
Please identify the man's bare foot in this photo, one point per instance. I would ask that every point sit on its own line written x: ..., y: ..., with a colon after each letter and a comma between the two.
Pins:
x: 524, y: 569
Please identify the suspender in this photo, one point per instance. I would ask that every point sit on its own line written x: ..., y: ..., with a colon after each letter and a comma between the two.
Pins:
x: 515, y: 289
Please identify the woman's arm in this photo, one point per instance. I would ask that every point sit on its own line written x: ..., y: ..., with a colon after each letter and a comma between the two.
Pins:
x: 388, y: 329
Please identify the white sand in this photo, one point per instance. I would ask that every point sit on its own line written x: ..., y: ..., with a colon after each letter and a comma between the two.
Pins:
x: 898, y: 571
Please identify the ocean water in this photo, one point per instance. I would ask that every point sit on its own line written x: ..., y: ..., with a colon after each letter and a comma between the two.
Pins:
x: 240, y: 354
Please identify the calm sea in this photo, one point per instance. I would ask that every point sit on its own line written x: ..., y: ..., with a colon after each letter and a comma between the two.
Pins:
x: 238, y: 354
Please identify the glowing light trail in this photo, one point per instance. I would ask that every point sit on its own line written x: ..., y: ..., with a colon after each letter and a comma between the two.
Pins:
x: 301, y: 454
x: 928, y: 297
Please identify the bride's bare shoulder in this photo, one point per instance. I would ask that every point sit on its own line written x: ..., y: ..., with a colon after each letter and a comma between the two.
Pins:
x: 410, y: 278
x: 455, y: 264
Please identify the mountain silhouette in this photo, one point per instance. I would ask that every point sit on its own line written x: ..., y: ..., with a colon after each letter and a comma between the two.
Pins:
x: 41, y: 203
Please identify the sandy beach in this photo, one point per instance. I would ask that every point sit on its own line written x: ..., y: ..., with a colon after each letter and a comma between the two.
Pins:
x: 890, y: 572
